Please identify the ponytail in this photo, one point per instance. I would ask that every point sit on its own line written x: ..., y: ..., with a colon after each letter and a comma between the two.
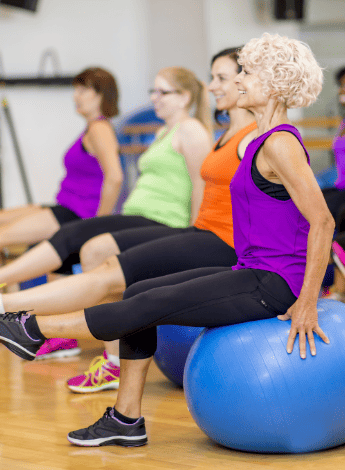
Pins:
x: 203, y: 108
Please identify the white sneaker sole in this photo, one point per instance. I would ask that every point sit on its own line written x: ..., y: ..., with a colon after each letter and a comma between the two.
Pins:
x: 125, y: 441
x: 339, y: 264
x: 59, y: 354
x: 108, y: 386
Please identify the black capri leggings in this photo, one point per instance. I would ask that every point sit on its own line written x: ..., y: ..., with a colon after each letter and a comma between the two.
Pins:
x: 62, y: 214
x: 341, y: 219
x: 335, y: 199
x: 71, y: 237
x: 170, y: 250
x: 201, y: 297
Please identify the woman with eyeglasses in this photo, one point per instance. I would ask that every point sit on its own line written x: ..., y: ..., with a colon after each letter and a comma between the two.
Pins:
x: 167, y: 194
x: 209, y: 242
x: 168, y: 191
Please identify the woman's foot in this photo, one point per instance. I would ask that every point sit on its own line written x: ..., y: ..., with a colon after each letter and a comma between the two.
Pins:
x: 101, y: 375
x: 19, y: 332
x: 337, y: 290
x: 338, y: 255
x: 333, y: 294
x: 57, y: 348
x: 109, y: 430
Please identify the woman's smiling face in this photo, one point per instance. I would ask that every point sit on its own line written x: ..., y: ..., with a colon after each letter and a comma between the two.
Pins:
x: 223, y: 72
x: 250, y: 91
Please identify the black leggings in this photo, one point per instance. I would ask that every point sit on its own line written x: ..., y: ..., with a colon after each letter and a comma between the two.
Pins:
x: 335, y: 199
x: 156, y: 251
x: 71, y: 237
x: 201, y: 297
x: 63, y: 215
x: 341, y: 219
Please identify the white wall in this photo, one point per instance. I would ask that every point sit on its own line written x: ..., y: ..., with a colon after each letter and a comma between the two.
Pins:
x: 325, y: 11
x: 178, y: 35
x: 232, y: 23
x: 133, y: 39
x: 109, y: 33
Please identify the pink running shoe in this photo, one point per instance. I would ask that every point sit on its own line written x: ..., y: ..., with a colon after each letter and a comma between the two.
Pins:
x: 338, y: 254
x: 58, y: 347
x: 331, y: 293
x: 102, y: 375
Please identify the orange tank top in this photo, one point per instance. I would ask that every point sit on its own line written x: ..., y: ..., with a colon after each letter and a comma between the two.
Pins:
x: 217, y: 170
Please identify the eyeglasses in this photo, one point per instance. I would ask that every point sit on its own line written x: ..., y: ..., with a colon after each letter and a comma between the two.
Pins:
x: 160, y: 93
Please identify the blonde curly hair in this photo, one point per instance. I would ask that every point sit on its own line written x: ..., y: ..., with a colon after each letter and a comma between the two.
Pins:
x: 287, y: 68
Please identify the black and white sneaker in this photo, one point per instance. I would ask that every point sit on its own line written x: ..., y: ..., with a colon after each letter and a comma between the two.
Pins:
x: 108, y: 430
x: 15, y: 334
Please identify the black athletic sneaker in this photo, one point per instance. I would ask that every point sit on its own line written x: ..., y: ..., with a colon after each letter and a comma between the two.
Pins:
x: 108, y: 430
x: 15, y: 336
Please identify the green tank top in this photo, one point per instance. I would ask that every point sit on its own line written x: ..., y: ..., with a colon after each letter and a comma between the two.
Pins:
x: 164, y: 188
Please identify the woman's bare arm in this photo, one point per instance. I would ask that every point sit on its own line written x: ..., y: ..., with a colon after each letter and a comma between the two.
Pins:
x: 102, y: 143
x: 285, y: 156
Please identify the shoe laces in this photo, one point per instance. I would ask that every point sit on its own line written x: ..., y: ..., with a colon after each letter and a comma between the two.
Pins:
x: 105, y: 416
x: 15, y: 316
x: 96, y: 369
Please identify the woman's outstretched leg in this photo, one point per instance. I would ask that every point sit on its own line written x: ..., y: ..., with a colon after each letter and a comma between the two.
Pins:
x: 97, y: 250
x: 50, y: 255
x: 30, y: 229
x: 40, y: 260
x: 9, y: 215
x: 69, y: 325
x: 201, y: 297
x: 71, y: 293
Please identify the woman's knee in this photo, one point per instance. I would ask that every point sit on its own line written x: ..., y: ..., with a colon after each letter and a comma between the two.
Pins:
x: 109, y: 276
x: 96, y: 250
x: 138, y: 288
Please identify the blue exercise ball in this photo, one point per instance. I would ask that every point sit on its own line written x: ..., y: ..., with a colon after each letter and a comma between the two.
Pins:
x: 173, y: 345
x: 245, y: 392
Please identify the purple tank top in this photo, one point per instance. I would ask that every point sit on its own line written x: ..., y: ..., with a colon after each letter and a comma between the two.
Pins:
x: 269, y: 234
x: 339, y: 153
x: 80, y: 190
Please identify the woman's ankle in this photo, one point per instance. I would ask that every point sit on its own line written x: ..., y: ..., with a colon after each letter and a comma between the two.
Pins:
x: 124, y: 418
x: 128, y: 410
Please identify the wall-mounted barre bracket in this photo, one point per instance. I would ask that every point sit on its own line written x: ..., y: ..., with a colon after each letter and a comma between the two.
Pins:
x: 55, y: 80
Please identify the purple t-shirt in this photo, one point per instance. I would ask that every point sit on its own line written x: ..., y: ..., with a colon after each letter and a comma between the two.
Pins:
x: 269, y: 233
x: 339, y: 153
x: 80, y: 190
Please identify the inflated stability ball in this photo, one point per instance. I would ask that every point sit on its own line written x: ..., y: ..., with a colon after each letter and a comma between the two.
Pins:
x: 173, y: 345
x: 245, y: 392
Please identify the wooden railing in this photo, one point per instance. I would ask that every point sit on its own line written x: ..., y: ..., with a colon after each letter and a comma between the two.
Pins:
x: 324, y: 124
x: 137, y: 130
x: 312, y: 142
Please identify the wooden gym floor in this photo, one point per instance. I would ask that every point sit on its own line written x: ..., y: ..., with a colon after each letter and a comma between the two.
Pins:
x: 37, y: 411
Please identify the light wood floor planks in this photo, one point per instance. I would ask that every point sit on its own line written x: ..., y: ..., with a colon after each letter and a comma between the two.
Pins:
x: 37, y: 411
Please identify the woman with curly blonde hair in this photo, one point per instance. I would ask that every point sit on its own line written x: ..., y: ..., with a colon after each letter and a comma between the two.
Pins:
x: 282, y: 232
x: 287, y: 69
